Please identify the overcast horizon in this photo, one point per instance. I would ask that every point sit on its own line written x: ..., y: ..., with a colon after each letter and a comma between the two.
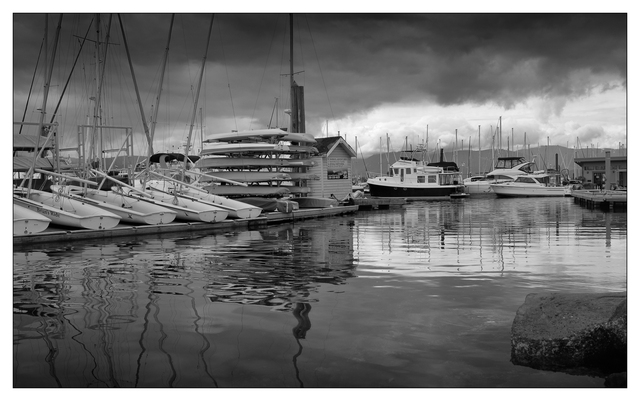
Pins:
x: 559, y: 78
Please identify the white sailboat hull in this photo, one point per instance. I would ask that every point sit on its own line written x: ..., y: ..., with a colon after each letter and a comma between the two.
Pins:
x: 187, y: 209
x: 235, y: 209
x: 247, y: 176
x: 223, y: 148
x: 252, y: 190
x: 130, y: 209
x: 261, y: 134
x: 64, y: 211
x: 251, y: 162
x: 26, y: 221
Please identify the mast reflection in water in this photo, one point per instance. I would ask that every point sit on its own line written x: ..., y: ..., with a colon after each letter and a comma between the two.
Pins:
x: 421, y: 296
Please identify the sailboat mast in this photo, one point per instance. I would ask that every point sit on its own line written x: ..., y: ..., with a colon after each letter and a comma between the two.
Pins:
x: 48, y: 74
x: 380, y: 140
x: 154, y: 119
x: 479, y: 151
x: 195, y: 106
x: 135, y: 85
x: 99, y: 81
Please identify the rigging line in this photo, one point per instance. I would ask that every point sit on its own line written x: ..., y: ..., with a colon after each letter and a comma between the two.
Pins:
x: 263, y: 74
x: 226, y: 69
x: 26, y: 105
x: 135, y: 85
x: 55, y: 111
x: 320, y: 68
x: 363, y: 160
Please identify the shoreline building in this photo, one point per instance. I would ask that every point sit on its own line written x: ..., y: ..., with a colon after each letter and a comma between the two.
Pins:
x: 594, y: 169
x: 334, y: 167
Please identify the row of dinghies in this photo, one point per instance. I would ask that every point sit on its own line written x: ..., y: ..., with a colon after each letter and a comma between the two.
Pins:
x: 238, y: 175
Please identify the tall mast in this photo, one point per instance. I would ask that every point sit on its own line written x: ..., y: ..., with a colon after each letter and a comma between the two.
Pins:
x: 99, y: 81
x: 380, y: 140
x: 48, y: 74
x: 135, y: 85
x: 154, y: 119
x: 195, y: 106
x: 479, y: 151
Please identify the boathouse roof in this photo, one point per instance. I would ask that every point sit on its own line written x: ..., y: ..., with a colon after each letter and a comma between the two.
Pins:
x: 327, y: 145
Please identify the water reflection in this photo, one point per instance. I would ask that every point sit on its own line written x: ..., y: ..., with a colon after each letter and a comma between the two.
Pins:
x: 141, y: 313
x: 411, y: 297
x: 489, y: 237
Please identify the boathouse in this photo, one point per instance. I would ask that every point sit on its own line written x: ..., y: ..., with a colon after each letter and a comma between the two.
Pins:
x: 594, y: 170
x: 333, y: 166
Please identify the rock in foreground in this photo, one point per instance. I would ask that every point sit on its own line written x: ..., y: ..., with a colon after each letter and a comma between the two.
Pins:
x: 573, y: 333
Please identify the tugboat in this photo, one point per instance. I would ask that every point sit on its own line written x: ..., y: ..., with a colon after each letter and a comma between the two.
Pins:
x: 412, y: 178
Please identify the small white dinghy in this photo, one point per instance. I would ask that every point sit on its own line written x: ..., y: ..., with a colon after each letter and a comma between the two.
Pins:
x: 26, y: 221
x: 186, y: 209
x: 130, y: 209
x: 65, y: 211
x: 236, y: 209
x: 261, y: 134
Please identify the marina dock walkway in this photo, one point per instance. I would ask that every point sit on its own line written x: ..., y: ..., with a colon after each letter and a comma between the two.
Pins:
x: 60, y: 234
x: 606, y: 200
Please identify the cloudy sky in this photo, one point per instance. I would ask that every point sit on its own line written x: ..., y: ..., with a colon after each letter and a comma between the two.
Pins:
x: 556, y: 77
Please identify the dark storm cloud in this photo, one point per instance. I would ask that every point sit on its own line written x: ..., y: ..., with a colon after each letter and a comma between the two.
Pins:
x: 469, y: 58
x: 356, y: 62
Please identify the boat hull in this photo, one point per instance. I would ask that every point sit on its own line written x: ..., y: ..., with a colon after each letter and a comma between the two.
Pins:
x: 235, y: 209
x: 130, y: 209
x: 188, y: 209
x: 69, y: 212
x: 480, y: 187
x: 251, y: 162
x: 398, y: 191
x: 222, y: 148
x: 316, y: 202
x: 510, y: 190
x: 246, y: 176
x: 26, y: 221
x: 253, y: 190
x: 261, y: 134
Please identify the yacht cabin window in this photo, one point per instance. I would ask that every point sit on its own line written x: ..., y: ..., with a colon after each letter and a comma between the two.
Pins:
x: 431, y: 179
x: 526, y: 180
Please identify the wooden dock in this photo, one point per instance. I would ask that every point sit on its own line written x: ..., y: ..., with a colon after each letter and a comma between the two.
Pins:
x: 605, y: 200
x: 376, y: 203
x: 62, y: 234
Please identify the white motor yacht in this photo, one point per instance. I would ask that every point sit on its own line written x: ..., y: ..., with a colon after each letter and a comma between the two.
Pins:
x: 532, y: 185
x: 506, y: 169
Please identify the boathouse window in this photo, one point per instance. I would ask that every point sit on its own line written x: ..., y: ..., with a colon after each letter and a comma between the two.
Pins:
x: 337, y: 174
x: 431, y: 179
x: 421, y: 179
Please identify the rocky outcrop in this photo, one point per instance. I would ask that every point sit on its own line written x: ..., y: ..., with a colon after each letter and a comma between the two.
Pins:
x: 574, y: 333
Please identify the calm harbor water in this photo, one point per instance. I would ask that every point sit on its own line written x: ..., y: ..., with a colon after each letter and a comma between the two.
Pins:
x: 420, y: 296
